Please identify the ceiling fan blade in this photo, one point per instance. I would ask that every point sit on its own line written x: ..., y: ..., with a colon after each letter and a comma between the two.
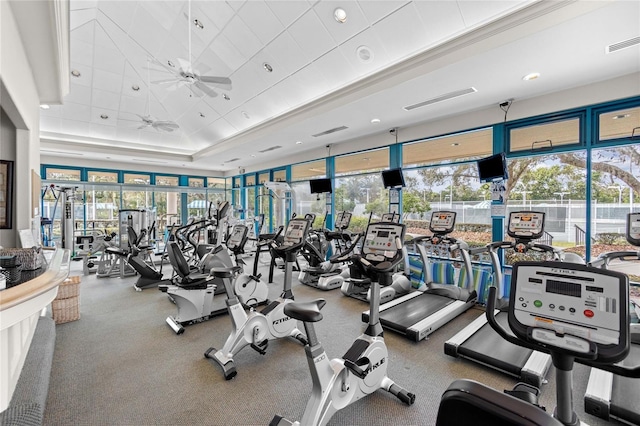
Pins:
x: 222, y: 81
x: 205, y: 89
x: 169, y: 124
x: 167, y: 81
x: 163, y: 128
x: 143, y: 126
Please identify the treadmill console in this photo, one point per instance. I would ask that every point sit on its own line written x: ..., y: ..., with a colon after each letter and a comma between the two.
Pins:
x: 380, y: 241
x: 526, y: 225
x: 390, y: 217
x: 573, y: 307
x: 442, y: 222
x: 237, y: 238
x: 296, y: 232
x: 343, y: 219
x: 633, y: 228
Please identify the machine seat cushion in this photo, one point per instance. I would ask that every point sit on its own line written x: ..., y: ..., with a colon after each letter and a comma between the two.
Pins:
x: 305, y: 311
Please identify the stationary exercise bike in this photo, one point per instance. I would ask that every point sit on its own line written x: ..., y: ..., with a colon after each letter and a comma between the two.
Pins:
x: 362, y: 370
x: 194, y: 296
x: 257, y: 328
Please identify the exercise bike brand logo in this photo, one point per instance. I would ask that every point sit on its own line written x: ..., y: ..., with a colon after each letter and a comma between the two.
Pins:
x: 374, y: 366
x: 281, y: 320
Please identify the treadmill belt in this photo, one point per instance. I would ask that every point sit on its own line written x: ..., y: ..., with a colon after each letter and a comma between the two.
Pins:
x: 412, y: 311
x: 488, y: 347
x: 625, y: 391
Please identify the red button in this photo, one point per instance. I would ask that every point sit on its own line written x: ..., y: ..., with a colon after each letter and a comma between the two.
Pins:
x: 588, y: 313
x: 388, y: 244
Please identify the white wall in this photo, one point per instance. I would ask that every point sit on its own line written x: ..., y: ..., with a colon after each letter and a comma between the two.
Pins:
x: 20, y: 101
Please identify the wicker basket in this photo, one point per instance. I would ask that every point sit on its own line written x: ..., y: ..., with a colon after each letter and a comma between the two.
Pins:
x: 69, y: 288
x: 66, y: 305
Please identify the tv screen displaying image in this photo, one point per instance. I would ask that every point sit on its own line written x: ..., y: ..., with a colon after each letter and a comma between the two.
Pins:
x: 392, y: 178
x: 492, y: 168
x: 320, y: 186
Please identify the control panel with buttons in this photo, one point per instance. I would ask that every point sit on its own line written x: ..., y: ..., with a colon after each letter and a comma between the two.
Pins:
x: 442, y: 222
x: 380, y: 241
x: 579, y: 301
x: 526, y: 224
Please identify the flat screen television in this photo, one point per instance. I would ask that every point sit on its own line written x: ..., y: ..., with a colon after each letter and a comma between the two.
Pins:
x: 392, y: 178
x: 492, y: 168
x: 320, y: 186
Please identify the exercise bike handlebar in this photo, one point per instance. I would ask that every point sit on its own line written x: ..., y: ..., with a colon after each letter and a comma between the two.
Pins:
x: 348, y: 254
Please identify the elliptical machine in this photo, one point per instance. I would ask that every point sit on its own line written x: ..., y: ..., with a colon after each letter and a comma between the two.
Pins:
x: 362, y: 370
x: 257, y: 328
x: 196, y: 303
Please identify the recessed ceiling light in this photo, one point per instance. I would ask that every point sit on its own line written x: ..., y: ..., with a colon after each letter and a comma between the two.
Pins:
x: 455, y: 144
x: 298, y: 142
x: 340, y: 15
x: 198, y: 23
x: 104, y: 116
x: 44, y: 106
x: 267, y: 67
x: 375, y: 120
x: 364, y: 54
x: 531, y: 76
x: 253, y: 155
x: 365, y: 159
x: 135, y: 87
x: 75, y: 73
x: 226, y: 97
x: 620, y: 116
x: 245, y: 115
x: 170, y: 64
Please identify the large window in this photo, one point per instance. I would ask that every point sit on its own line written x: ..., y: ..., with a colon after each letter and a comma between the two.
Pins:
x: 619, y: 124
x: 310, y: 170
x: 62, y: 174
x: 362, y: 162
x: 545, y: 136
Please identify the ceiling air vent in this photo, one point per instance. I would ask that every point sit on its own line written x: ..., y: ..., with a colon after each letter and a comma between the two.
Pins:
x: 271, y: 149
x: 232, y: 160
x: 441, y: 98
x: 622, y: 45
x: 327, y: 132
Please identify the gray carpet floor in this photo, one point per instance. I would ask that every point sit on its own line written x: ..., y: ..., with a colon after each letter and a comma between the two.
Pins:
x: 121, y: 364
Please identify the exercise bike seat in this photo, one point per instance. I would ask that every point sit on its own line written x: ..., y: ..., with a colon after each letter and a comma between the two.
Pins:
x: 225, y: 272
x: 305, y: 311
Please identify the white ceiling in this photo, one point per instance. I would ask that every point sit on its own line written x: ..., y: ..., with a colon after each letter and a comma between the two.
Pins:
x: 418, y: 50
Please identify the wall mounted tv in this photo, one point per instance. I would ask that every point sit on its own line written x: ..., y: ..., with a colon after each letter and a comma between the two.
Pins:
x: 392, y: 178
x: 492, y: 168
x: 320, y: 186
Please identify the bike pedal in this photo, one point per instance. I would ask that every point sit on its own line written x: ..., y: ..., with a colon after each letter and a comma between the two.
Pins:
x: 261, y: 347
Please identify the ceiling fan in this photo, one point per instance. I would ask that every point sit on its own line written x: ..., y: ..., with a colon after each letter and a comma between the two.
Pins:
x: 149, y: 120
x: 184, y: 74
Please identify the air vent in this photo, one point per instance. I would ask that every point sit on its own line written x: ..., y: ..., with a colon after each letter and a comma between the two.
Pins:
x: 271, y: 149
x: 622, y: 45
x: 327, y: 132
x: 231, y: 161
x: 441, y: 98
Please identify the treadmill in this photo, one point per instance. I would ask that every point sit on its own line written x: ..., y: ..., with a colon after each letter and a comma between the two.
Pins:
x: 481, y: 343
x: 610, y: 395
x: 418, y: 314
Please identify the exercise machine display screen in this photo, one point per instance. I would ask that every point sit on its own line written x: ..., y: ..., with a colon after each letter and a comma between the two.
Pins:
x: 569, y: 305
x: 633, y: 228
x: 237, y: 235
x: 527, y: 224
x: 342, y: 220
x: 296, y: 232
x: 442, y: 222
x: 380, y: 241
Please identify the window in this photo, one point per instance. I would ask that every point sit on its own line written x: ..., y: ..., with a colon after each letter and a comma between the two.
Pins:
x: 620, y: 124
x: 306, y: 202
x: 250, y: 180
x: 451, y: 188
x: 545, y: 136
x: 102, y: 203
x: 280, y: 176
x: 237, y: 182
x: 310, y: 170
x: 457, y: 147
x: 136, y: 179
x: 263, y: 177
x: 167, y: 180
x: 361, y: 195
x: 62, y: 174
x: 217, y: 183
x: 196, y: 182
x: 362, y: 162
x: 95, y: 176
